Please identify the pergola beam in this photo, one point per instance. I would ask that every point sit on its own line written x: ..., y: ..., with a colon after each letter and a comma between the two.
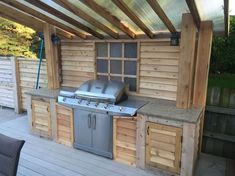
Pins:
x: 62, y: 16
x: 109, y: 17
x: 226, y: 17
x: 161, y: 14
x: 193, y: 10
x: 15, y: 15
x: 25, y: 19
x: 123, y: 7
x: 70, y: 7
x: 43, y: 17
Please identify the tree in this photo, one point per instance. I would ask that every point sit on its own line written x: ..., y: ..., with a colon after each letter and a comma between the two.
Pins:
x: 15, y: 39
x: 223, y: 52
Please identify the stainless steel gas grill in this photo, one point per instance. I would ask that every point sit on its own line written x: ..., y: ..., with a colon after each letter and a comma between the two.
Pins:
x: 95, y: 102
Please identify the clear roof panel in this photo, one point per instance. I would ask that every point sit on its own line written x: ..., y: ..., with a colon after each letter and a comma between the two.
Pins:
x: 146, y: 14
x: 112, y: 8
x: 212, y: 10
x: 174, y: 10
x: 49, y: 15
x: 93, y: 14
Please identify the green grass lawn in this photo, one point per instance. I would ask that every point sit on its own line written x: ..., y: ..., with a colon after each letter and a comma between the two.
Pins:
x: 223, y: 81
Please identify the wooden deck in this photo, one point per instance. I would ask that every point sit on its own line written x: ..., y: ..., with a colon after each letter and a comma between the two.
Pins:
x: 43, y: 157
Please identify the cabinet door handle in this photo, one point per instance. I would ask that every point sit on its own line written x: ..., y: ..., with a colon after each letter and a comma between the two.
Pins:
x: 94, y: 122
x: 89, y: 120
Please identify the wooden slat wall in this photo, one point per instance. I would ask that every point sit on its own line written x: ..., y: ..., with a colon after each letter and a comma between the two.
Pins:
x: 158, y: 66
x: 6, y: 82
x: 28, y: 69
x: 124, y: 137
x: 158, y: 70
x: 78, y: 62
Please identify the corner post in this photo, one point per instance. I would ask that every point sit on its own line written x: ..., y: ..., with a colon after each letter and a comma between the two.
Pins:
x: 186, y: 62
x: 52, y: 57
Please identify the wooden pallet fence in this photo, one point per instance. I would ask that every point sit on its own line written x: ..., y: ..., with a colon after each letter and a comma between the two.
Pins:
x: 124, y: 137
x: 28, y: 69
x: 6, y: 82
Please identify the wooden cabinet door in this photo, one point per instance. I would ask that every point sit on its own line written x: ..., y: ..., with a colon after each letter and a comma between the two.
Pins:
x: 41, y: 118
x: 163, y: 146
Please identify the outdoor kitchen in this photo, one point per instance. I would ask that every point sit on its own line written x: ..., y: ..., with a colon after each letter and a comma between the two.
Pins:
x: 119, y: 105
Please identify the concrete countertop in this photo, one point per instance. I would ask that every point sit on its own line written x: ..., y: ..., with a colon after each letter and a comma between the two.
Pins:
x: 44, y: 92
x: 167, y: 110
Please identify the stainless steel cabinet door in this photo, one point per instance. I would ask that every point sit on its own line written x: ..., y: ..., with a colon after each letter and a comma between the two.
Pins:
x: 82, y: 127
x: 102, y: 132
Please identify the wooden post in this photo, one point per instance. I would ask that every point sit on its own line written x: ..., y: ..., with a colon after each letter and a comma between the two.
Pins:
x: 51, y: 57
x: 202, y: 69
x: 186, y: 62
x: 16, y: 82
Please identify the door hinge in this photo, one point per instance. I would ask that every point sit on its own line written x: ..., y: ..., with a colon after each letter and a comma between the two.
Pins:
x: 180, y: 164
x: 148, y: 130
x: 31, y: 106
x: 181, y: 139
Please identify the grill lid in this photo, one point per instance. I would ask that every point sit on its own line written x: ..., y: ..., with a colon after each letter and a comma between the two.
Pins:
x: 101, y: 90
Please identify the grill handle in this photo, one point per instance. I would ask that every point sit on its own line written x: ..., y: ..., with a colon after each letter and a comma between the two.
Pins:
x: 94, y: 122
x: 89, y: 120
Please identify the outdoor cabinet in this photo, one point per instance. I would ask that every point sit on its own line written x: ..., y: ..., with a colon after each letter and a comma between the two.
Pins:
x: 92, y: 132
x: 41, y: 118
x: 163, y: 146
x: 64, y: 119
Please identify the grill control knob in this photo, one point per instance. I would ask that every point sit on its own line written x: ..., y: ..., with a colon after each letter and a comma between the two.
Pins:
x: 105, y: 106
x: 88, y: 103
x: 120, y: 108
x: 64, y: 99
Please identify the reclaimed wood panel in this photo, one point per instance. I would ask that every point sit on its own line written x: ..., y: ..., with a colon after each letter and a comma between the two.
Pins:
x: 163, y: 147
x: 158, y: 70
x: 124, y: 140
x: 41, y: 118
x: 78, y: 62
x: 28, y: 69
x: 64, y: 116
x: 6, y: 82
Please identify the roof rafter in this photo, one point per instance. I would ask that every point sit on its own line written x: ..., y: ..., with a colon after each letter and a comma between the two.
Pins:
x: 161, y: 14
x: 109, y: 17
x: 67, y: 5
x: 226, y: 17
x: 123, y: 7
x: 51, y: 10
x: 193, y: 10
x: 25, y: 19
x: 45, y: 18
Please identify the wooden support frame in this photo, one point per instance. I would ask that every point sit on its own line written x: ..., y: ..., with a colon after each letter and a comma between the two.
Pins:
x: 161, y: 14
x: 52, y: 58
x: 67, y: 5
x: 109, y: 17
x: 202, y: 69
x: 44, y: 6
x: 42, y: 16
x: 186, y: 62
x: 193, y: 9
x: 226, y: 17
x: 16, y: 81
x: 123, y: 7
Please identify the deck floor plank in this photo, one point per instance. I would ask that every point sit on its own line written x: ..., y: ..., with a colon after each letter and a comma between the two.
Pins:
x: 44, y: 157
